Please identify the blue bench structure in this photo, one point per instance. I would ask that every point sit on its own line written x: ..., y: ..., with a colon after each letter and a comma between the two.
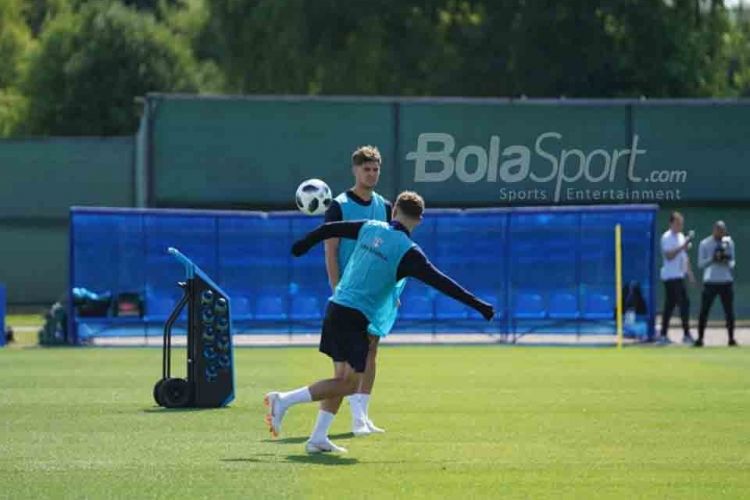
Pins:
x: 546, y: 270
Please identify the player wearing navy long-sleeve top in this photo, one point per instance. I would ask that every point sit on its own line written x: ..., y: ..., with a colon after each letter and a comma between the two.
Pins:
x: 383, y: 254
x: 414, y: 263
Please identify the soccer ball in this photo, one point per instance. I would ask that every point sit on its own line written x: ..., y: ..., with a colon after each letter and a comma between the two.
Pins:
x: 313, y: 197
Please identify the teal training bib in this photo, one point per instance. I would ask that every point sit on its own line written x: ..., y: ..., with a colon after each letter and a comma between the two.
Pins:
x: 351, y: 210
x: 369, y: 280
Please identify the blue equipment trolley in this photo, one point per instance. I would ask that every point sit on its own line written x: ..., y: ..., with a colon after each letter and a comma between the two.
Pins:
x: 210, y: 362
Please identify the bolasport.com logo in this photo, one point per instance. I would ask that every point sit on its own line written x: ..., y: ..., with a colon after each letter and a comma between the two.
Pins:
x: 554, y: 169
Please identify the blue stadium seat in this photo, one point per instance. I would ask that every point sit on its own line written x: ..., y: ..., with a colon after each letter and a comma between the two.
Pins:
x: 416, y: 307
x: 270, y: 307
x: 305, y: 307
x: 529, y: 306
x: 598, y: 306
x: 448, y: 308
x: 563, y: 305
x: 241, y: 309
x: 159, y: 307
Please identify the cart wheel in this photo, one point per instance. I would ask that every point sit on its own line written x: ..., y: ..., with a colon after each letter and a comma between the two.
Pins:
x: 157, y: 392
x: 175, y: 393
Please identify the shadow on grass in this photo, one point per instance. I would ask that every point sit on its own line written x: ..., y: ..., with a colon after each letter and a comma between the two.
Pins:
x: 159, y: 409
x: 322, y: 459
x: 289, y: 440
x: 317, y: 458
x: 343, y: 435
x: 302, y: 439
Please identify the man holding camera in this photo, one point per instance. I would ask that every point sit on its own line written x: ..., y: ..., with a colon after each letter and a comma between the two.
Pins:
x: 716, y: 258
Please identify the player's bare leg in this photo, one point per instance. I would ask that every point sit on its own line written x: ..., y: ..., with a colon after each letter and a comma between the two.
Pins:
x: 346, y: 379
x: 359, y: 401
x: 368, y: 377
x: 344, y: 382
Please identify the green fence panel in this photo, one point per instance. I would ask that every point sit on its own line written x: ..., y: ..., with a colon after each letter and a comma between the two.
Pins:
x: 34, y: 262
x: 254, y: 152
x: 40, y: 178
x: 44, y: 177
x: 514, y: 153
x: 702, y: 152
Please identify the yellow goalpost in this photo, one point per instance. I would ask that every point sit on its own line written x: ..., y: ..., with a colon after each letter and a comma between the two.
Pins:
x: 618, y: 282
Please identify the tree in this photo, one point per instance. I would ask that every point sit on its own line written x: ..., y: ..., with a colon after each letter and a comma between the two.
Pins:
x: 470, y: 47
x: 15, y: 41
x: 738, y: 54
x: 93, y: 61
x: 37, y: 12
x: 589, y: 48
x: 187, y: 20
x: 339, y: 47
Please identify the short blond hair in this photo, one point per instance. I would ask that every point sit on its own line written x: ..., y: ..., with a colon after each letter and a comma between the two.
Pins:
x: 364, y: 154
x: 410, y: 204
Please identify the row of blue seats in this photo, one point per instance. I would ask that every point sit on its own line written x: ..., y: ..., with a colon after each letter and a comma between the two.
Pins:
x: 525, y: 305
x: 264, y: 307
x: 562, y: 305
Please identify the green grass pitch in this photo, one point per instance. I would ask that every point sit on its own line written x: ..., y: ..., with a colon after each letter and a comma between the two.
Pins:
x: 462, y: 422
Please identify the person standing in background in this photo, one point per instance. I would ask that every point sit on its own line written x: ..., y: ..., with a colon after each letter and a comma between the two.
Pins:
x: 361, y: 202
x: 717, y: 259
x: 674, y: 269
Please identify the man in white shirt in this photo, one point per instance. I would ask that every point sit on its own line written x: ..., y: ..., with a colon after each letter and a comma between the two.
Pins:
x: 717, y: 259
x: 675, y: 266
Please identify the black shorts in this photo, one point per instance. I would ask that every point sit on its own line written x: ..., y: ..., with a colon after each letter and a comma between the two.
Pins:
x: 344, y: 337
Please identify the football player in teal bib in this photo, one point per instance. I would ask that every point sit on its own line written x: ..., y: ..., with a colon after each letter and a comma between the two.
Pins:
x: 383, y: 256
x: 361, y: 202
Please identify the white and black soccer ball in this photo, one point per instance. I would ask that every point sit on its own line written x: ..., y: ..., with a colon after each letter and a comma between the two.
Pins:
x: 313, y: 197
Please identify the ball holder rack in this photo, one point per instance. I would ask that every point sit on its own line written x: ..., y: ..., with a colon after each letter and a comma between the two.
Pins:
x: 210, y: 361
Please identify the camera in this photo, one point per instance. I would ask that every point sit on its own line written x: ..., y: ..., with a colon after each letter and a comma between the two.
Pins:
x: 721, y: 253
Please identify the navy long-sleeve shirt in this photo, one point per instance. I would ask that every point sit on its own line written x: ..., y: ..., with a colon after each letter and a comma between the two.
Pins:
x: 413, y: 264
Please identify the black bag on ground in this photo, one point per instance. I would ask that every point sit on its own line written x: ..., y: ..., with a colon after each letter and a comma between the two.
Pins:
x: 55, y: 329
x: 632, y: 298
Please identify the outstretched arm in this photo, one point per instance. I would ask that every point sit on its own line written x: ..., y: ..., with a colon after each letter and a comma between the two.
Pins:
x: 325, y: 231
x: 414, y: 263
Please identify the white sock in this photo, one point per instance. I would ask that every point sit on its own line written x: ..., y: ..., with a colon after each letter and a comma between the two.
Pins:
x: 322, y: 424
x: 356, y: 404
x: 295, y: 397
x: 364, y: 402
